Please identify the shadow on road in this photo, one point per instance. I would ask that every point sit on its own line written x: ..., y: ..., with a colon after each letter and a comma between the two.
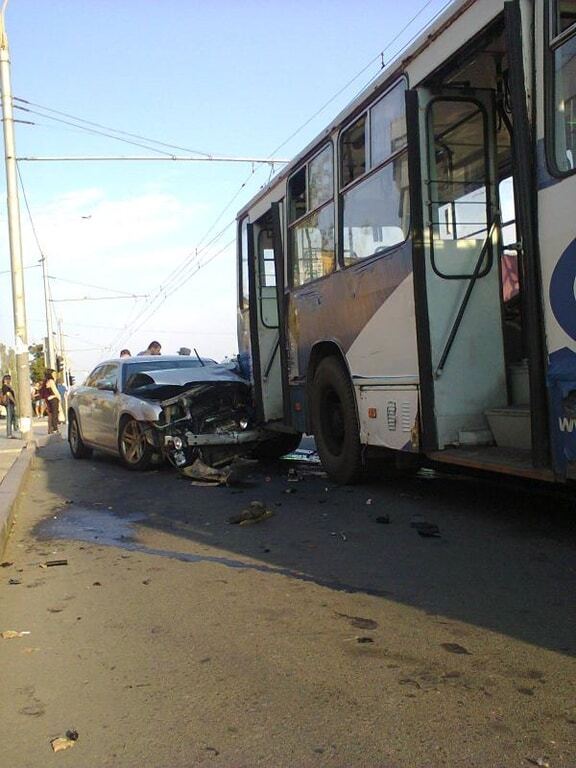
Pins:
x: 504, y: 559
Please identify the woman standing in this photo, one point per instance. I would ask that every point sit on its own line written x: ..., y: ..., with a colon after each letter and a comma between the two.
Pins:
x: 49, y: 393
x: 9, y: 401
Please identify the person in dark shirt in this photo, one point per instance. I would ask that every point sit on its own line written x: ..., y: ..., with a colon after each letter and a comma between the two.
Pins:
x: 50, y: 394
x: 9, y: 401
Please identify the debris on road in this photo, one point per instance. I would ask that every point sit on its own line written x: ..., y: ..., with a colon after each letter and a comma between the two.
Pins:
x: 203, y: 474
x: 14, y: 581
x: 52, y: 563
x: 369, y: 501
x: 542, y: 762
x: 427, y: 530
x: 6, y: 564
x: 290, y: 490
x: 64, y: 742
x: 455, y: 648
x: 364, y: 640
x: 10, y: 634
x: 254, y: 513
x: 294, y: 476
x: 358, y: 621
x: 307, y: 455
x: 383, y: 519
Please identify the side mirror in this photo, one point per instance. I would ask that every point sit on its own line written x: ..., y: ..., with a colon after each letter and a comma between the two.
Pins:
x: 107, y: 387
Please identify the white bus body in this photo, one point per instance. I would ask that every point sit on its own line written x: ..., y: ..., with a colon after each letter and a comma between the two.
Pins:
x: 406, y: 286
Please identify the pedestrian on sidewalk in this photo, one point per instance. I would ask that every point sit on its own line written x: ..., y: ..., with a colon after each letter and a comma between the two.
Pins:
x: 9, y: 402
x: 49, y: 393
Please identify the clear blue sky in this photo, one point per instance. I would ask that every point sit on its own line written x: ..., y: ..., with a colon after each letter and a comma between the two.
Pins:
x: 235, y: 78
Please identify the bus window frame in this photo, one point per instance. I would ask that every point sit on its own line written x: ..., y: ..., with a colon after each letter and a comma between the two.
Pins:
x: 551, y: 44
x: 261, y: 276
x: 242, y: 304
x: 490, y: 213
x: 370, y: 171
x: 290, y: 225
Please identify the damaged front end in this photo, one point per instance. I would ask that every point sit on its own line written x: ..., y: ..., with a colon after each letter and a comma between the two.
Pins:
x: 210, y: 424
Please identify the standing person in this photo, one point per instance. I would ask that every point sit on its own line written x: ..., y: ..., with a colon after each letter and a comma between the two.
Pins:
x: 125, y: 353
x: 9, y: 400
x: 154, y: 348
x: 63, y: 391
x: 49, y: 393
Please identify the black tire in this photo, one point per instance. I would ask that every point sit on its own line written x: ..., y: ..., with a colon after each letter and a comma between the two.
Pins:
x: 335, y: 423
x: 78, y: 448
x: 277, y: 445
x: 135, y: 450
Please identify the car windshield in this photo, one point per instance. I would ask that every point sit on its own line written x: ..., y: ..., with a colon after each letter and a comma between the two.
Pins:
x: 164, y: 365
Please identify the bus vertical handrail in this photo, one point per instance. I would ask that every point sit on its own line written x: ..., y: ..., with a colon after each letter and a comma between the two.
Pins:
x: 465, y: 300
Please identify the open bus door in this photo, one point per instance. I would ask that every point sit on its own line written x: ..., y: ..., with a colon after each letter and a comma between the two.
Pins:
x: 456, y: 235
x: 267, y: 331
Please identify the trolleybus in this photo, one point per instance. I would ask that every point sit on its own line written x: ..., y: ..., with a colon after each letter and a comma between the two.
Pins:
x: 406, y: 285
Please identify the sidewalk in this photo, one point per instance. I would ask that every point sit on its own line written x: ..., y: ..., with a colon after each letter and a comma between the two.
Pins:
x: 15, y: 459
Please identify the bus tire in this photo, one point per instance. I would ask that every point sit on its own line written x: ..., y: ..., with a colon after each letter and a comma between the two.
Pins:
x: 335, y: 423
x: 276, y: 445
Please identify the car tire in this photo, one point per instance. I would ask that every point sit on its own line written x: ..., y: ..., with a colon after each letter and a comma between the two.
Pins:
x: 277, y: 445
x: 78, y: 448
x: 335, y: 422
x: 133, y: 446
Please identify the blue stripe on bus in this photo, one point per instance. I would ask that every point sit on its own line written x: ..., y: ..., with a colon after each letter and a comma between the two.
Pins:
x: 562, y: 389
x: 562, y: 298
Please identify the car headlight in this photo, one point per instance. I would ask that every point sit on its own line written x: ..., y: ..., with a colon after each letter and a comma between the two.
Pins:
x: 243, y: 423
x: 177, y: 443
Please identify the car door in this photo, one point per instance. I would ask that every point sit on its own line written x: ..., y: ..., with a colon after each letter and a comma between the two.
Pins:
x: 105, y: 407
x: 84, y: 400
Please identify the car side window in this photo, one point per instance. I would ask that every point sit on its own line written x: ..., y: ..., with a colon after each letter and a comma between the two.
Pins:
x: 109, y: 377
x: 94, y: 378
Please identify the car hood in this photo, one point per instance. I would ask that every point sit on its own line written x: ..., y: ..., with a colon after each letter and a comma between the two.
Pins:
x: 164, y: 385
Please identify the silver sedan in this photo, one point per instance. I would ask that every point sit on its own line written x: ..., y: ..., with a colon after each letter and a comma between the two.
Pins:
x: 107, y: 413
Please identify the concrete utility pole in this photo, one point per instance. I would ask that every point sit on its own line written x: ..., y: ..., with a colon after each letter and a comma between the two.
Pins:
x: 23, y: 370
x: 50, y: 356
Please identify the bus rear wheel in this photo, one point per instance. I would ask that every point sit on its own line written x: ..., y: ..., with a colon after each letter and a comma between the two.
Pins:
x: 335, y: 423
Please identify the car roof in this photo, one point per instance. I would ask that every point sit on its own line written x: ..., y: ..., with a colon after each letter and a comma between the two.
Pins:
x: 144, y: 358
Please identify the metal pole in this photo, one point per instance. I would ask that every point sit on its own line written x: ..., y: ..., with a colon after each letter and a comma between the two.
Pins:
x: 23, y: 370
x: 64, y: 369
x: 50, y: 357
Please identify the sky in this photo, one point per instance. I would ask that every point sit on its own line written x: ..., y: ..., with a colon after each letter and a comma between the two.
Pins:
x: 138, y: 251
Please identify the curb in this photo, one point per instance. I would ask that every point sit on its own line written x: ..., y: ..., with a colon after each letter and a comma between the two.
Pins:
x: 10, y: 488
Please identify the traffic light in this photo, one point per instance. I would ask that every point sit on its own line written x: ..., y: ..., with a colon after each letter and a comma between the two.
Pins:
x: 59, y: 363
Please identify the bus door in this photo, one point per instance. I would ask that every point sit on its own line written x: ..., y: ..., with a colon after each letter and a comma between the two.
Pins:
x: 456, y: 235
x: 266, y: 314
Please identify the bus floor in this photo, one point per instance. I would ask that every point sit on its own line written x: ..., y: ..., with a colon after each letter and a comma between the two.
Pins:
x: 509, y: 461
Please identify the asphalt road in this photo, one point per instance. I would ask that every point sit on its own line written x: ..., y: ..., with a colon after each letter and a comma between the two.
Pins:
x: 320, y: 636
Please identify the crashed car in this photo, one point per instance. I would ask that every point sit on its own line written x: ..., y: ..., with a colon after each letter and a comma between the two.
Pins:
x: 190, y: 411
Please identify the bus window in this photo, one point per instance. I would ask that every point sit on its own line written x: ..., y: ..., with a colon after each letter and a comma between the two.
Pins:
x: 353, y: 152
x: 311, y: 206
x: 459, y: 189
x: 563, y: 45
x: 244, y: 281
x: 376, y: 212
x: 388, y: 126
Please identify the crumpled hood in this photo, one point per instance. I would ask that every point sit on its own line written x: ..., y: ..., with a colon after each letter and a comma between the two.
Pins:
x: 166, y: 384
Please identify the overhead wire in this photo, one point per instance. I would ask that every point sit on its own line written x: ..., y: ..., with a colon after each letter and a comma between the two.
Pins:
x: 188, y: 261
x: 115, y: 130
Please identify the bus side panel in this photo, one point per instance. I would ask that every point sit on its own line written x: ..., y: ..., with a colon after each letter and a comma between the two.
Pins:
x: 367, y: 311
x: 558, y: 254
x: 557, y: 242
